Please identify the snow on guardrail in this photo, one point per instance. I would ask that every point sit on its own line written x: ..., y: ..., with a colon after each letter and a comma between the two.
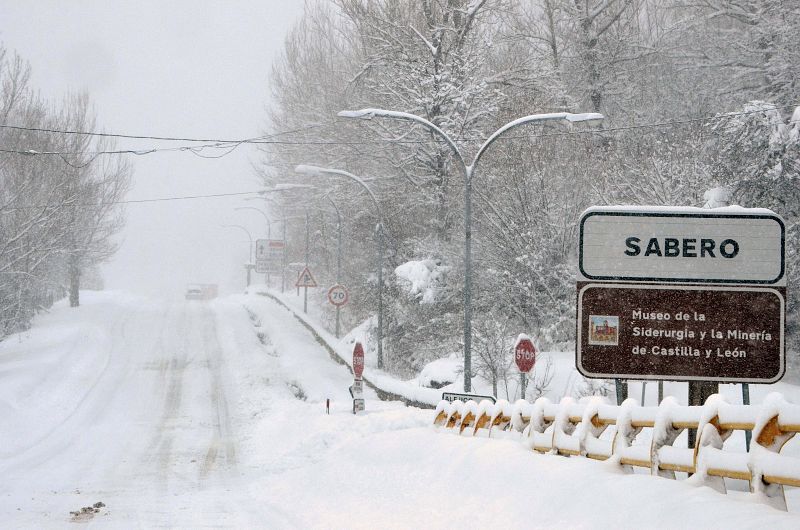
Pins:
x: 577, y: 429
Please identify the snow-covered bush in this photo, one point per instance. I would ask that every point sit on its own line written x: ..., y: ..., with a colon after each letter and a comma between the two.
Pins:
x: 442, y: 372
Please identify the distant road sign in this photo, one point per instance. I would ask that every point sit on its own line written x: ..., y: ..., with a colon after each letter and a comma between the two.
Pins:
x: 337, y: 295
x: 261, y: 248
x: 358, y: 406
x: 305, y: 279
x: 357, y: 390
x: 269, y: 255
x: 525, y: 354
x: 452, y: 396
x: 358, y: 360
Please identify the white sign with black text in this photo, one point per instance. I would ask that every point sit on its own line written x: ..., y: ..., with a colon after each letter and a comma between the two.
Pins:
x: 269, y: 255
x: 690, y: 245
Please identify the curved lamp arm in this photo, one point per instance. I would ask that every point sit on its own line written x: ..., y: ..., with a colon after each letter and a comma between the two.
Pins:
x: 368, y: 114
x: 320, y: 171
x: 591, y: 117
x: 246, y: 231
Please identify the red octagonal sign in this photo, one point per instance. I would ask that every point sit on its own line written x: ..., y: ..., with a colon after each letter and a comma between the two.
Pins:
x: 358, y: 360
x: 524, y: 354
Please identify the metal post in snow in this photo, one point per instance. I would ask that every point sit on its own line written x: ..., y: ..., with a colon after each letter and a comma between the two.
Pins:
x: 269, y: 232
x: 250, y: 254
x: 622, y: 390
x: 305, y: 289
x: 283, y: 261
x: 523, y: 384
x: 468, y: 277
x: 746, y: 401
x: 338, y: 256
x: 269, y: 238
x: 338, y: 275
x: 380, y: 293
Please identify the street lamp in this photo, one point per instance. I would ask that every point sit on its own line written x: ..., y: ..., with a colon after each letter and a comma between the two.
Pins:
x: 469, y: 170
x: 278, y: 188
x: 338, y: 248
x: 264, y: 215
x: 269, y: 232
x: 250, y: 257
x: 338, y: 254
x: 321, y: 171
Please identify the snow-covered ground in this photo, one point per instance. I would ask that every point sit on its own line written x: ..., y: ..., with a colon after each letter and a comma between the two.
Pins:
x: 195, y: 414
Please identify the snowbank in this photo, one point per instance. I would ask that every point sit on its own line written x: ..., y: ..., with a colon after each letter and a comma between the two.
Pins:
x: 421, y: 279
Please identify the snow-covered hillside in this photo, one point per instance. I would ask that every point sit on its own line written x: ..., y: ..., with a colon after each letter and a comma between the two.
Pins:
x: 197, y: 414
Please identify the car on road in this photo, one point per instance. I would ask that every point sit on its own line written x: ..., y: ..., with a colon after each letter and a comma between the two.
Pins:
x: 194, y: 292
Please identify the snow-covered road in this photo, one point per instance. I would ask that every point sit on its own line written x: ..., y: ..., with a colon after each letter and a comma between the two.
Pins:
x: 193, y: 415
x: 151, y: 409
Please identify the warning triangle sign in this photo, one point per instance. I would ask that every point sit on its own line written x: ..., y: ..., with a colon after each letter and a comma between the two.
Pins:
x: 305, y: 279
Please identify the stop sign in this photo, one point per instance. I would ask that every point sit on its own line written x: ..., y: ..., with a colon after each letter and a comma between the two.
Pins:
x: 525, y: 354
x: 358, y: 360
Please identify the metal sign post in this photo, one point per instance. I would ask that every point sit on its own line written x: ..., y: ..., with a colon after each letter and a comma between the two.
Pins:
x: 305, y: 280
x: 357, y: 390
x: 681, y: 294
x: 269, y: 256
x: 338, y: 296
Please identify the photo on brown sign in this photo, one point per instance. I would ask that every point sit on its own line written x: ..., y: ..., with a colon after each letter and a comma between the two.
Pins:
x: 603, y: 330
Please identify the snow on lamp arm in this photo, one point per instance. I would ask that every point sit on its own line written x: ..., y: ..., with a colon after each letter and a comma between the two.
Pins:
x: 368, y: 114
x: 249, y: 265
x: 250, y: 237
x: 264, y: 215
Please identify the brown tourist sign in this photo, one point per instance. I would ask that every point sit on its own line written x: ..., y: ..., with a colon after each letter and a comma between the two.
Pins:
x: 681, y: 295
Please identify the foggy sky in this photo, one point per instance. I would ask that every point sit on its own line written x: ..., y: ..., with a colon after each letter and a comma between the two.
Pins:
x: 175, y: 68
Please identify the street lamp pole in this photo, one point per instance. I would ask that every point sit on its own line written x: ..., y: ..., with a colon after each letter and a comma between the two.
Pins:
x: 321, y: 171
x: 280, y: 188
x: 469, y: 170
x: 250, y: 256
x: 269, y: 229
x: 285, y: 251
x: 338, y: 255
x: 305, y: 289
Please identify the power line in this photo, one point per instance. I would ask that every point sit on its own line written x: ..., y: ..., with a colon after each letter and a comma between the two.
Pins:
x: 137, y: 201
x: 126, y: 136
x: 231, y: 145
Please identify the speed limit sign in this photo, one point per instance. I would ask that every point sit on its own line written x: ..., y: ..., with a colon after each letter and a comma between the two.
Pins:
x: 337, y: 295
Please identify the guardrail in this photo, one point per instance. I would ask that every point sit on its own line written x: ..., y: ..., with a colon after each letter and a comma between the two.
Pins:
x: 569, y: 428
x: 383, y: 395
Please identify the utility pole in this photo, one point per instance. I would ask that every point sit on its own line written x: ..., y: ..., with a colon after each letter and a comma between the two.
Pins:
x: 305, y: 289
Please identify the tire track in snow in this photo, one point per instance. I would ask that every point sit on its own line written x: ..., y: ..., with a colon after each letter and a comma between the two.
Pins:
x: 172, y: 362
x: 222, y: 436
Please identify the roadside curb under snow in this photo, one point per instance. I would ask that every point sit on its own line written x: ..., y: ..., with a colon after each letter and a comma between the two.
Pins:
x: 384, y: 395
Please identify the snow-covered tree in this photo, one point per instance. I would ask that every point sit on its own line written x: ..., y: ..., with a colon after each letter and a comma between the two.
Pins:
x: 57, y: 213
x: 756, y: 154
